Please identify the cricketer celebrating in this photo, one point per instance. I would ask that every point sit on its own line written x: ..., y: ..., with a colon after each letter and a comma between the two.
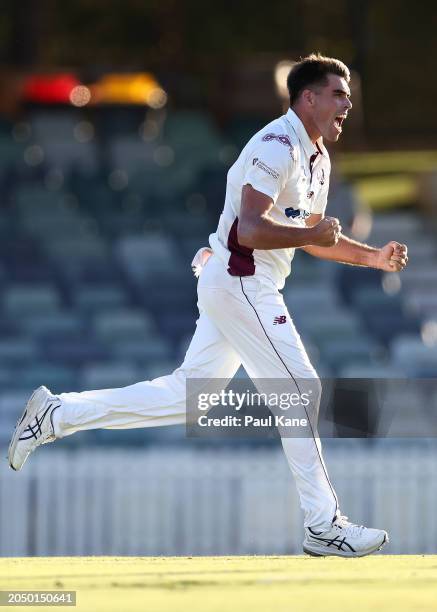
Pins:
x: 275, y: 202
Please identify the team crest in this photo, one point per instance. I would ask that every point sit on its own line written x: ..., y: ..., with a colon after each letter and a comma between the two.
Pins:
x: 283, y: 139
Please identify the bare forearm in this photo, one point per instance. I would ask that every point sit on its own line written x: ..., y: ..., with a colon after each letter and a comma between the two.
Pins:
x: 347, y: 251
x: 267, y: 234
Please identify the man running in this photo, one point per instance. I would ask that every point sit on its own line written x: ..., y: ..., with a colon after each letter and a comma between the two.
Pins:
x: 275, y: 202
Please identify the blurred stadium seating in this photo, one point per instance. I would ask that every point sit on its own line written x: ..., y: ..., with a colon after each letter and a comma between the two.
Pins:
x: 98, y: 227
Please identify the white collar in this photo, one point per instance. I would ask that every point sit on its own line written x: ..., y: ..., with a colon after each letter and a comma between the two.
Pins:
x: 302, y: 134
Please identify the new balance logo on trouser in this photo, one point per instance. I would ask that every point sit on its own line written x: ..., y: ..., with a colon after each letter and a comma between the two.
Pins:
x: 235, y: 326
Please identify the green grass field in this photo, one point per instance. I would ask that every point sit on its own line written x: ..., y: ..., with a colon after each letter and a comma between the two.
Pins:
x: 217, y: 584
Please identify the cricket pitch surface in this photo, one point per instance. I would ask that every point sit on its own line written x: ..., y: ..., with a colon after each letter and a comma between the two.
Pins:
x: 219, y: 584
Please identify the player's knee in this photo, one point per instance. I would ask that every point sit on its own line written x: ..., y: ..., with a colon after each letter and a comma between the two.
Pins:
x: 317, y: 385
x: 311, y: 393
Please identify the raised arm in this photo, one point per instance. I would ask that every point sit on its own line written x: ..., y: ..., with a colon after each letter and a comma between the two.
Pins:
x: 391, y: 258
x: 257, y: 229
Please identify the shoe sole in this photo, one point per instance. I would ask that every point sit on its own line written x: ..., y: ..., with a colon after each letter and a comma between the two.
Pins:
x: 25, y: 419
x: 347, y: 554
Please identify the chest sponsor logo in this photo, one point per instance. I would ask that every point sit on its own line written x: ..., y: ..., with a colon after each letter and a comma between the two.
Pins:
x: 262, y: 166
x: 296, y: 212
x: 281, y: 138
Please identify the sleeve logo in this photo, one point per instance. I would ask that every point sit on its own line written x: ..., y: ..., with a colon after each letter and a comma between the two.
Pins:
x: 262, y: 166
x: 281, y: 138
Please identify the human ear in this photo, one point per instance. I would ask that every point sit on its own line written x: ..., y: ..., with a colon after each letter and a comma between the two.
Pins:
x: 308, y: 96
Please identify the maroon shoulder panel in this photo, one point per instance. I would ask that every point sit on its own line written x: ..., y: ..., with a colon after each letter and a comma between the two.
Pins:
x: 241, y: 261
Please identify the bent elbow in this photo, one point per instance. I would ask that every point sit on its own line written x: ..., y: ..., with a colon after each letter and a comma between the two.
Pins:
x: 246, y: 237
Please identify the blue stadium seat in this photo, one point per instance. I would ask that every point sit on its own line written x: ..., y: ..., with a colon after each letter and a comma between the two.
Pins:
x: 333, y: 324
x: 73, y: 258
x: 108, y: 376
x: 57, y: 378
x: 164, y: 296
x: 18, y: 350
x: 33, y: 199
x: 11, y: 152
x: 403, y: 226
x: 39, y: 226
x: 342, y: 351
x: 92, y: 298
x: 140, y: 350
x: 124, y: 324
x: 188, y: 130
x: 374, y: 370
x: 242, y: 128
x: 20, y: 250
x: 307, y: 299
x: 374, y: 299
x: 196, y: 225
x: 176, y: 325
x: 32, y: 272
x: 410, y: 354
x: 59, y: 326
x: 84, y: 250
x: 144, y: 256
x: 307, y: 269
x: 414, y: 277
x: 387, y: 325
x: 75, y: 352
x: 157, y: 368
x: 66, y: 155
x: 12, y: 404
x: 421, y: 250
x: 53, y: 125
x: 21, y: 299
x: 422, y: 302
x: 349, y: 279
x: 190, y: 245
x: 6, y: 376
x: 130, y: 153
x: 94, y: 194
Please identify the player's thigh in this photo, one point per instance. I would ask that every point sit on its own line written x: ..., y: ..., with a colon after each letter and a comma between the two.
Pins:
x: 276, y: 327
x: 210, y: 354
x: 255, y: 321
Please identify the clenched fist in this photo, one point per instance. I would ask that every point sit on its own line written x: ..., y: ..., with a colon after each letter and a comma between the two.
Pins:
x: 326, y: 232
x: 392, y: 257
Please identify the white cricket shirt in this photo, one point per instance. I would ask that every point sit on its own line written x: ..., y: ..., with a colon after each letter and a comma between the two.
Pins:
x: 280, y: 161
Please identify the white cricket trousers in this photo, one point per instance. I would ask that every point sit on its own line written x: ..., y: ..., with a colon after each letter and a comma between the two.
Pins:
x: 236, y: 326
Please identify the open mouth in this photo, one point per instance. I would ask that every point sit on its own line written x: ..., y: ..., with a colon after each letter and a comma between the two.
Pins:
x: 338, y: 121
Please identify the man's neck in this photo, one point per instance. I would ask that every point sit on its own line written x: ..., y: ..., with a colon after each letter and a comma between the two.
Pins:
x: 308, y: 124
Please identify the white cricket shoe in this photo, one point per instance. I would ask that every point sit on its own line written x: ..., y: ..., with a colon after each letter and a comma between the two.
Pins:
x: 344, y: 539
x: 34, y: 428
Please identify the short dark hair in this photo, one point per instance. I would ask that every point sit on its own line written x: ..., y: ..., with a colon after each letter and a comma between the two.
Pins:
x: 313, y: 70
